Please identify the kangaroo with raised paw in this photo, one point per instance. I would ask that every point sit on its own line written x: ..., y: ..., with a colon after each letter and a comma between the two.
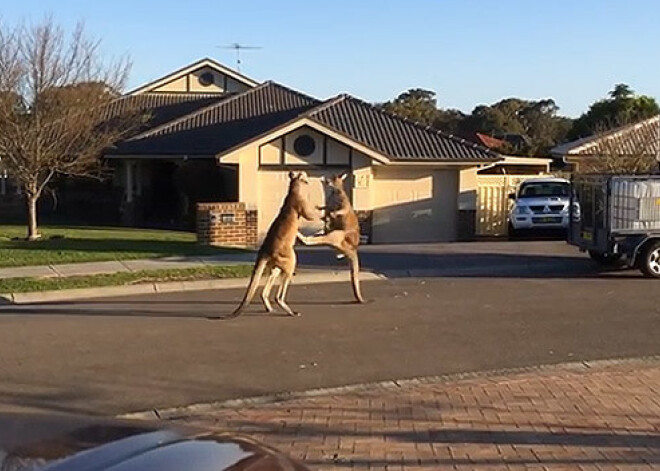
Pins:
x: 343, y: 228
x: 276, y: 252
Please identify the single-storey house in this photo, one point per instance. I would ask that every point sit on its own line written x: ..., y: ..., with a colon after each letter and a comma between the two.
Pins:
x: 637, y: 139
x: 220, y: 145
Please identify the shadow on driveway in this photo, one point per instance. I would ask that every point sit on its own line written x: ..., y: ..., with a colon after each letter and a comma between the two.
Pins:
x: 474, y: 265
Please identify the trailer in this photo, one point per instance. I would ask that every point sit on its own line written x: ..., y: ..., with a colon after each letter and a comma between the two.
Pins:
x: 616, y: 219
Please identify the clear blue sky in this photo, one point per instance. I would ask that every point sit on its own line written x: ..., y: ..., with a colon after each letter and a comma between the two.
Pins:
x: 468, y: 51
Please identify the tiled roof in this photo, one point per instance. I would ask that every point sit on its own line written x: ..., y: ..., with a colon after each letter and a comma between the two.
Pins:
x: 223, y: 125
x: 393, y: 136
x: 163, y: 107
x: 643, y: 137
x: 243, y: 117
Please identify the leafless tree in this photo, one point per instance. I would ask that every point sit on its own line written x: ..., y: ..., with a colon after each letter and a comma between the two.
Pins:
x: 55, y: 118
x: 624, y: 149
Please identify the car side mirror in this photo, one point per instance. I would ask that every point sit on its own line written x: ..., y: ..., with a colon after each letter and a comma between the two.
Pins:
x: 512, y: 196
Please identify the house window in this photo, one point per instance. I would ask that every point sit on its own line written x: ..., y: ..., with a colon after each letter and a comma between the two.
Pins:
x: 206, y: 79
x: 304, y: 145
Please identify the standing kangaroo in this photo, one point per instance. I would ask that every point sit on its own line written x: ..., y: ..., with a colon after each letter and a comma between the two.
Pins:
x: 343, y: 228
x: 276, y: 252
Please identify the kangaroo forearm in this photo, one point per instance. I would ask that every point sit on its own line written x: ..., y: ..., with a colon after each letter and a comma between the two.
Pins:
x: 308, y: 213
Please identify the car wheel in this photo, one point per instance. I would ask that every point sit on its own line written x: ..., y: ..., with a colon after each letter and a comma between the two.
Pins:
x: 649, y: 263
x: 604, y: 258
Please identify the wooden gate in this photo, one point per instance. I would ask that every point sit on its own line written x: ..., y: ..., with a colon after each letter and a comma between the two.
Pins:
x: 493, y: 202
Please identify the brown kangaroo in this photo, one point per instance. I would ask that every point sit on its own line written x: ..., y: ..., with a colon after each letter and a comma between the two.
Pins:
x: 343, y: 228
x: 276, y: 252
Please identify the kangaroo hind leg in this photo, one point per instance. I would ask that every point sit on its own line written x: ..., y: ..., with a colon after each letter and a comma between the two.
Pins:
x: 265, y: 294
x: 285, y: 280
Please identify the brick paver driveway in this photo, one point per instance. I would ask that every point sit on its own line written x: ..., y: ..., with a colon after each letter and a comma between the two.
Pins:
x: 604, y: 416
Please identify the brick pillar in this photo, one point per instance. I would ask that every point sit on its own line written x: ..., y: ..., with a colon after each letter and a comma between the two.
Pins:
x: 251, y: 227
x: 226, y: 224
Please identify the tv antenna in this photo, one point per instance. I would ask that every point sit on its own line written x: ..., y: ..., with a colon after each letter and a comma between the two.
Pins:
x: 238, y: 48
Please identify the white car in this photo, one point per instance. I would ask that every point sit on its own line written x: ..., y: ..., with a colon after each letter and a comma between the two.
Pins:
x: 541, y: 203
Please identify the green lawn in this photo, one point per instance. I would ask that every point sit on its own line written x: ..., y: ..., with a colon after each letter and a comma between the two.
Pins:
x: 26, y: 285
x: 87, y: 244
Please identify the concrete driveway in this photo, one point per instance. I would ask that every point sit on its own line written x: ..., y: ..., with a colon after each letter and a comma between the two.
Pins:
x: 125, y: 354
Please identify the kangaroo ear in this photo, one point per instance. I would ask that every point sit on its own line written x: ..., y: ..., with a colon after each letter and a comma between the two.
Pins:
x: 343, y: 176
x: 292, y: 175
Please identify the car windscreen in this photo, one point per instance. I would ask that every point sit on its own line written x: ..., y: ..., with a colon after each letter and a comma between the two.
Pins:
x: 535, y: 190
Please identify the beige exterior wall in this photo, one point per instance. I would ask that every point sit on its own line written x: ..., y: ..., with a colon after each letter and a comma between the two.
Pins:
x: 270, y: 153
x: 468, y: 188
x: 290, y: 156
x: 338, y: 153
x: 414, y: 205
x: 218, y: 85
x: 363, y: 182
x: 409, y: 204
x: 190, y: 83
x: 264, y: 188
x: 178, y: 85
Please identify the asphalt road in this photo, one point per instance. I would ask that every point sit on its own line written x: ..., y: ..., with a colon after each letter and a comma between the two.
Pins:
x: 486, y: 306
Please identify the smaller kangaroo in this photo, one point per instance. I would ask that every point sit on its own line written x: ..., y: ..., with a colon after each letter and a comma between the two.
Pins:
x: 343, y: 227
x: 276, y: 252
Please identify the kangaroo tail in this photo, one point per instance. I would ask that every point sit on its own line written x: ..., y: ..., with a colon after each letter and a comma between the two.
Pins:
x: 355, y: 275
x: 257, y: 272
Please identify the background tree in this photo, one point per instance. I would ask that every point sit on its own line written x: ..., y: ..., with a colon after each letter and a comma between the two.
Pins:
x: 543, y: 125
x: 537, y: 123
x: 621, y: 107
x: 420, y: 105
x: 449, y: 120
x: 54, y: 92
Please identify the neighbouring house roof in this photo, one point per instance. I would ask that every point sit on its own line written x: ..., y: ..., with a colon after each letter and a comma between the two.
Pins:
x: 642, y: 137
x: 236, y: 121
x: 394, y: 136
x: 221, y: 125
x: 205, y: 62
x: 488, y: 141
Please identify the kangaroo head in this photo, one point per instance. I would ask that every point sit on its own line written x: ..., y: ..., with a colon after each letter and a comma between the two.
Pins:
x: 296, y: 181
x: 334, y: 184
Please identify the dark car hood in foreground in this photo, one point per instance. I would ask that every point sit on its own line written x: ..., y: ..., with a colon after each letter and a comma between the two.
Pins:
x: 67, y: 443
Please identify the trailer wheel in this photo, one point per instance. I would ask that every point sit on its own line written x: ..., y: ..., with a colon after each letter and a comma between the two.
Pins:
x: 604, y: 258
x: 649, y: 262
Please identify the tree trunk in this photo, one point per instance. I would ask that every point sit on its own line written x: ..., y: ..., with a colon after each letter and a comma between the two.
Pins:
x: 33, y: 234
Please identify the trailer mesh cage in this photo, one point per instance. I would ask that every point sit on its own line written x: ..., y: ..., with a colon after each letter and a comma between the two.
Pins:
x: 635, y: 203
x: 589, y: 192
x: 617, y: 203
